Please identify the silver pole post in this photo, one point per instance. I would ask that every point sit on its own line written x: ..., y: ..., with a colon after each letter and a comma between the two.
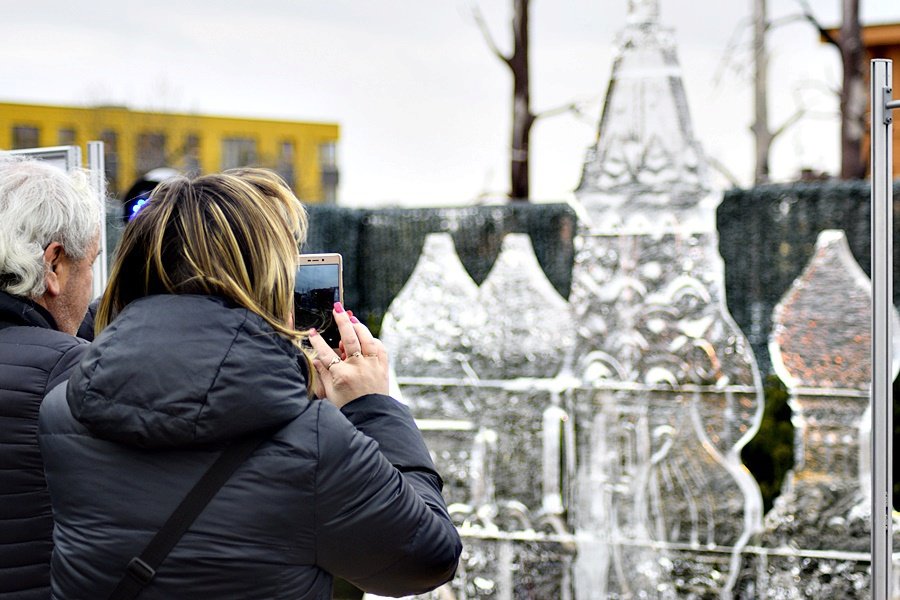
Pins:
x: 97, y: 173
x: 882, y: 303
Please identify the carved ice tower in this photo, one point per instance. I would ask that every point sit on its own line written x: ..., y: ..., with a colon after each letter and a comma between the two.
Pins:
x: 668, y: 390
x: 821, y: 348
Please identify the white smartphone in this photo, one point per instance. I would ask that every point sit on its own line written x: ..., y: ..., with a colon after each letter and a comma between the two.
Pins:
x: 318, y: 284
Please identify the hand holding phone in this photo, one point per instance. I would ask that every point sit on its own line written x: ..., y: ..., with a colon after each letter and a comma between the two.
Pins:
x: 361, y: 368
x: 317, y: 286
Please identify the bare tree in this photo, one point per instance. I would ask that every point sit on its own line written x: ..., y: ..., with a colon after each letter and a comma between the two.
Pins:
x: 763, y: 135
x: 523, y: 118
x: 853, y: 88
x: 760, y: 128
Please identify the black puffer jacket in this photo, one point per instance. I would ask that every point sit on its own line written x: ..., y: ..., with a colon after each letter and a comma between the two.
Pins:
x: 34, y: 357
x: 352, y: 493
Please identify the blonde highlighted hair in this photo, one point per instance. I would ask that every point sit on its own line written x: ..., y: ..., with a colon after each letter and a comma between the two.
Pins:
x: 234, y: 234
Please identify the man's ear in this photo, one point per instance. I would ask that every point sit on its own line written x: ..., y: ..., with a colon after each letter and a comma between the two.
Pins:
x: 52, y: 256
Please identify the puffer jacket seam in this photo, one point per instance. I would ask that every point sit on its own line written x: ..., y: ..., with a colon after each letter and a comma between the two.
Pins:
x: 48, y: 347
x: 215, y: 377
x: 48, y: 372
x: 36, y: 344
x: 315, y: 529
x: 11, y: 325
x: 34, y: 367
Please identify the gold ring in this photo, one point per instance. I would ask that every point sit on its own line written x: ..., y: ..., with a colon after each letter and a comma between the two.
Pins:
x: 333, y: 362
x: 356, y: 354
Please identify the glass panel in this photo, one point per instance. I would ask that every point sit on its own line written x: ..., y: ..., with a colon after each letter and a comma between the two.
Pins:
x: 25, y: 137
x: 110, y: 141
x: 66, y: 137
x: 328, y: 154
x: 192, y: 154
x: 238, y: 152
x: 329, y: 170
x: 285, y: 166
x: 151, y: 152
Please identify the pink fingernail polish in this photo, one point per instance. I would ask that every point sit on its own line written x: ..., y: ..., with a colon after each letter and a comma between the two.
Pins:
x: 312, y: 332
x: 338, y: 307
x: 354, y: 320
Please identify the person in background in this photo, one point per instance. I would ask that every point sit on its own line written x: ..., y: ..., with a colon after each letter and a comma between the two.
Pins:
x: 49, y: 239
x: 195, y: 351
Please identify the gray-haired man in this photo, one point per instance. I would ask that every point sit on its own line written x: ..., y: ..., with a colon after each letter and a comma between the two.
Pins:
x: 49, y: 238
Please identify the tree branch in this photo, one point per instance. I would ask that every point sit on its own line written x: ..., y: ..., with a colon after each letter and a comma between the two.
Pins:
x: 808, y: 15
x: 728, y: 55
x: 799, y: 114
x: 575, y: 107
x: 488, y: 38
x: 786, y: 20
x: 558, y: 110
x: 723, y: 170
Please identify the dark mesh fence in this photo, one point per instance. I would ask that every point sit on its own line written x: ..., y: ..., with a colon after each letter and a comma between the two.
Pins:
x: 381, y: 247
x: 767, y: 235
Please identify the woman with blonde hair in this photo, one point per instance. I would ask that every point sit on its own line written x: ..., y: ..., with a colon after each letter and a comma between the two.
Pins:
x: 196, y: 358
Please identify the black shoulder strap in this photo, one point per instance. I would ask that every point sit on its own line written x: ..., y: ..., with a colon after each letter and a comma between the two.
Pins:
x: 142, y: 569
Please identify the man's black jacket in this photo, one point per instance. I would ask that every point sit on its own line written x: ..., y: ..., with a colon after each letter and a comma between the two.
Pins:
x: 34, y: 357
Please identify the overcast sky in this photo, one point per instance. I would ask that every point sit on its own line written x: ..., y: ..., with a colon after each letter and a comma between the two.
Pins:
x: 423, y: 105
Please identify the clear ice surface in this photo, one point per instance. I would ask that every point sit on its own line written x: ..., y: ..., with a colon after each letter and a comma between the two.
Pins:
x: 590, y: 448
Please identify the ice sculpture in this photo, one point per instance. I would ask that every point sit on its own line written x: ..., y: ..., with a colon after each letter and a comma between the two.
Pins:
x: 614, y: 472
x: 430, y: 324
x: 477, y: 366
x: 647, y: 171
x: 669, y: 390
x: 821, y: 349
x: 528, y: 331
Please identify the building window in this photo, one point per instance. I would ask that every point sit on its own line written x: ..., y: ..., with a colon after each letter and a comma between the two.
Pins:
x: 110, y: 141
x: 25, y: 137
x: 192, y: 155
x: 285, y: 166
x: 328, y: 154
x: 238, y: 152
x: 151, y: 152
x: 66, y: 136
x: 329, y: 170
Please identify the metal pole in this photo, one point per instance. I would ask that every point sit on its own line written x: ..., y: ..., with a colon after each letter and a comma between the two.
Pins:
x: 97, y: 174
x: 882, y: 305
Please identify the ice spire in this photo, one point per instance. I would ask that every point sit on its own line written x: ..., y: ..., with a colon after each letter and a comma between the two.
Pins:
x: 643, y: 11
x: 646, y: 159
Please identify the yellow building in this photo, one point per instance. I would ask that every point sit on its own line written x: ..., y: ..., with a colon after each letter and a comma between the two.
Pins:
x: 136, y: 142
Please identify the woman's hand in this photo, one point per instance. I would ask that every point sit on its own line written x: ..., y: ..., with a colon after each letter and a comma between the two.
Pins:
x: 359, y: 367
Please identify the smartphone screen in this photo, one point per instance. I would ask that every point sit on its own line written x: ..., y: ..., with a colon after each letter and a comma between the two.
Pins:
x: 316, y: 288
